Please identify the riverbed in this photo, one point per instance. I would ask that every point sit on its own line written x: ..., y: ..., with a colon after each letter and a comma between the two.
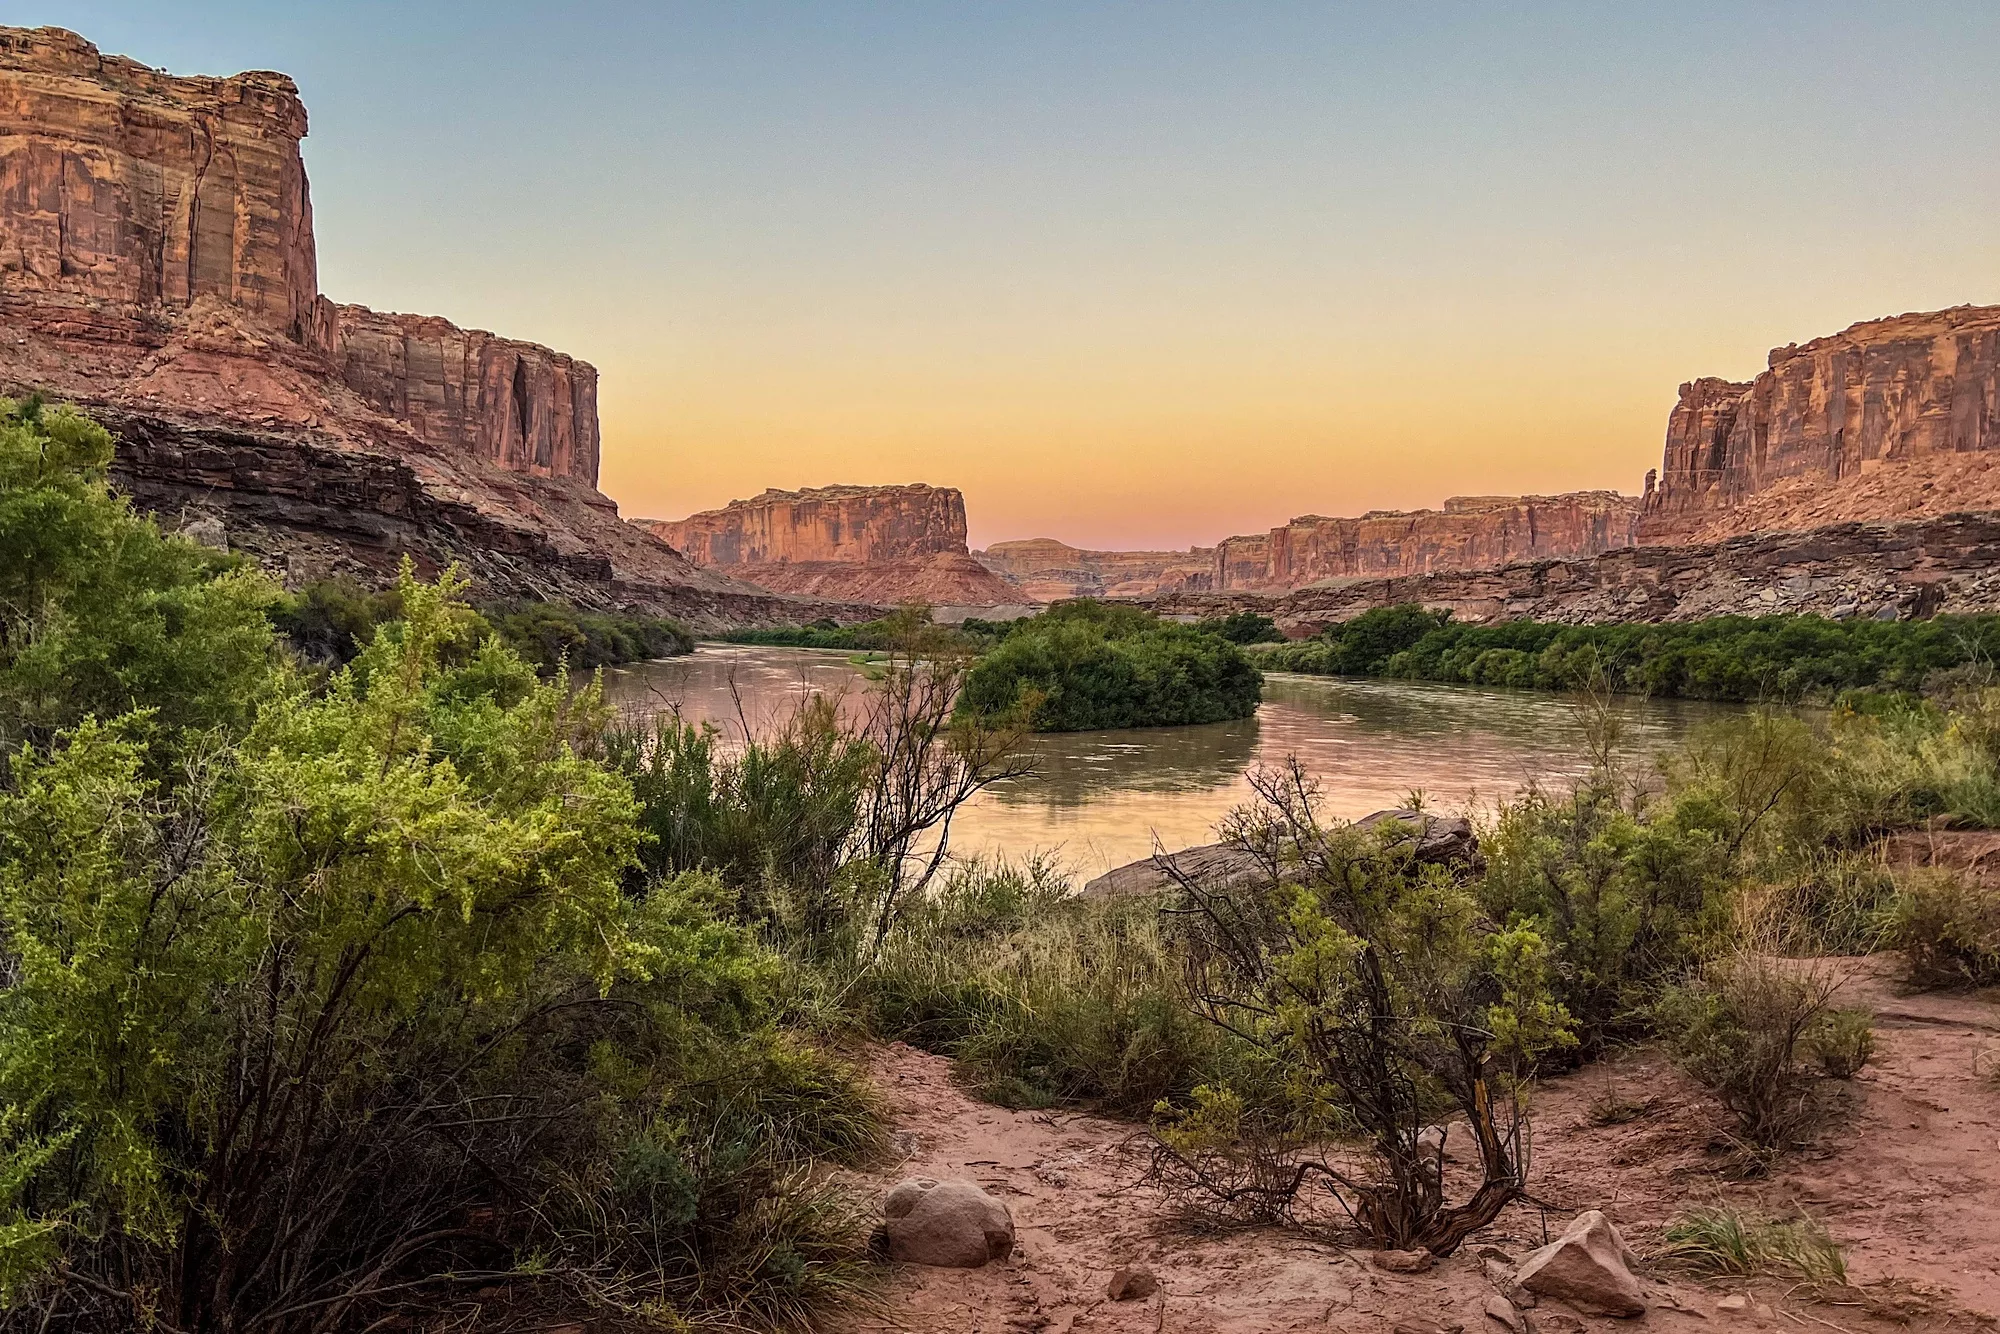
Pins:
x: 1100, y: 799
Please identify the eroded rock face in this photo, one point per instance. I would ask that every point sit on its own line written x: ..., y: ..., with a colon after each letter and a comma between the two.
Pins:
x: 849, y: 524
x: 1050, y: 571
x: 1469, y: 533
x: 157, y: 267
x: 879, y: 544
x: 1890, y: 418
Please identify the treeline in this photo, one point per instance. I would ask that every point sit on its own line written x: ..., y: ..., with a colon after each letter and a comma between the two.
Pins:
x: 332, y: 620
x: 1745, y: 658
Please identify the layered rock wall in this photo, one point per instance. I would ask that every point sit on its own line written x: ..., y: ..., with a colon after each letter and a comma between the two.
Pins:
x: 848, y: 524
x: 1049, y: 571
x: 1887, y: 571
x: 1889, y: 418
x: 1469, y: 533
x: 150, y: 222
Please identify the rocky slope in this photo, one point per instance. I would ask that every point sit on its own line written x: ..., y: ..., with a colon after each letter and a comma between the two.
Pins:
x: 884, y: 544
x: 1048, y: 571
x: 1889, y: 419
x: 157, y: 266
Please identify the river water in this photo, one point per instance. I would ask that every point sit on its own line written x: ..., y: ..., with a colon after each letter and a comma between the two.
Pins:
x: 1101, y: 799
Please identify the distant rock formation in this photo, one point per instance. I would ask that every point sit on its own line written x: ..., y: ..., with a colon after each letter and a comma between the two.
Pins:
x: 1889, y: 419
x: 881, y: 544
x: 157, y: 266
x: 1469, y: 533
x: 1049, y: 571
x: 1897, y: 570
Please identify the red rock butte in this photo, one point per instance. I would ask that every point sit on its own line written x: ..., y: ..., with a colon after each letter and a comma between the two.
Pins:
x: 157, y: 266
x: 881, y: 544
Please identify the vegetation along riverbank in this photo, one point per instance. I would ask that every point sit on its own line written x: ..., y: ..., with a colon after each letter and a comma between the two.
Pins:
x: 416, y: 991
x: 1782, y: 657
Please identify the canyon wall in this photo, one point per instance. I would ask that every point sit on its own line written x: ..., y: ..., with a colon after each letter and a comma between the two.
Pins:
x: 1469, y: 533
x: 1896, y: 570
x: 1049, y: 571
x: 883, y: 544
x: 1890, y: 418
x: 157, y: 267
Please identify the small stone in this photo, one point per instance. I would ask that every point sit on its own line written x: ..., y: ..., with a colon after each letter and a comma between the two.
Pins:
x: 1131, y: 1284
x: 1499, y: 1308
x: 1588, y: 1267
x: 1733, y: 1304
x: 1405, y: 1262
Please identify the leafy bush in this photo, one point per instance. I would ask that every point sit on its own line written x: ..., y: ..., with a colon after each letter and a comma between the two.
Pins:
x: 1084, y: 665
x: 1375, y: 983
x: 1948, y: 929
x: 1243, y: 627
x: 1842, y: 1042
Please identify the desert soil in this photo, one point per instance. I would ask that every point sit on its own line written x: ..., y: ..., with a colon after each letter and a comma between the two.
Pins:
x: 1908, y: 1181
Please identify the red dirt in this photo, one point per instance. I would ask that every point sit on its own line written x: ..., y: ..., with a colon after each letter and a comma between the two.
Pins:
x: 1908, y: 1182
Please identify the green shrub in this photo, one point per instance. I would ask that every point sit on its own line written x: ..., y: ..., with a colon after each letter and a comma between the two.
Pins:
x: 1948, y: 928
x: 1083, y: 666
x: 1243, y: 627
x: 1842, y: 1042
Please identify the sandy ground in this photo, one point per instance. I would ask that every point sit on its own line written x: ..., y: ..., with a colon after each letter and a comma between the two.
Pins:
x: 1909, y: 1183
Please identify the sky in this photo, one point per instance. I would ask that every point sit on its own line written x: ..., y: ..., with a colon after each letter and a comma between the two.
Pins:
x: 1132, y: 274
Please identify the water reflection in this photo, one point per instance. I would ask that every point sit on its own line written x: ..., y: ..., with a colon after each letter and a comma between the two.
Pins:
x: 1099, y: 799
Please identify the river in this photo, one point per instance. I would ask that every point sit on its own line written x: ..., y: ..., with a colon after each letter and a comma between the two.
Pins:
x: 1100, y: 799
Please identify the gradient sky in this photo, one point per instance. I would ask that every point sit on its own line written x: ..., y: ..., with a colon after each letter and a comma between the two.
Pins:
x: 1135, y: 274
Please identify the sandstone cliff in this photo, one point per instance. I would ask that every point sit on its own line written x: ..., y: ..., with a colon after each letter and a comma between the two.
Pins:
x: 157, y: 266
x: 1048, y: 571
x: 883, y: 544
x: 1890, y: 418
x: 1902, y: 569
x: 1469, y: 533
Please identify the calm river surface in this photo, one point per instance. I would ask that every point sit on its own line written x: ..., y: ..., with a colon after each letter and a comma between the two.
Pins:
x: 1099, y: 799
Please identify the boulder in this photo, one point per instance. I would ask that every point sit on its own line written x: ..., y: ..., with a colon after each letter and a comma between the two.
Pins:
x: 1131, y: 1284
x: 950, y: 1224
x: 1500, y: 1309
x: 1443, y: 840
x: 1588, y: 1267
x: 1405, y: 1262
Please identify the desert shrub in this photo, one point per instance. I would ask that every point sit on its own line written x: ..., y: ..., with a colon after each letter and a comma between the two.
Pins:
x: 1046, y: 1000
x: 1743, y: 1027
x: 1086, y: 665
x: 355, y: 1004
x: 1378, y: 986
x: 1842, y: 1041
x: 103, y: 615
x: 1948, y: 928
x: 1722, y: 1240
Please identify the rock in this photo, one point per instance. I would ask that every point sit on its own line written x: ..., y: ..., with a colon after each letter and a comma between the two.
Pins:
x: 1404, y: 1262
x: 1445, y: 840
x: 950, y: 1224
x: 1885, y: 419
x: 1501, y: 1275
x: 209, y: 531
x: 1469, y: 533
x: 1049, y: 571
x: 1500, y: 1309
x: 156, y: 239
x: 1586, y: 1267
x: 1734, y: 1304
x: 882, y: 544
x: 1131, y: 1284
